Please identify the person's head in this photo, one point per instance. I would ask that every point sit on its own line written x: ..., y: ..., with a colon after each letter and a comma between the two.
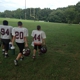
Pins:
x: 38, y: 27
x: 19, y: 23
x: 5, y: 22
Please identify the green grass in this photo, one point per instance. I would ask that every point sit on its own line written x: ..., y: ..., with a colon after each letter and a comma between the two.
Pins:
x: 61, y: 62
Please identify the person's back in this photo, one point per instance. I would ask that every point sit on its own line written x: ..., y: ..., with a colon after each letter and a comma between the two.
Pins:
x: 5, y: 34
x: 5, y: 31
x: 38, y: 36
x: 20, y: 33
x: 38, y: 39
x: 20, y: 36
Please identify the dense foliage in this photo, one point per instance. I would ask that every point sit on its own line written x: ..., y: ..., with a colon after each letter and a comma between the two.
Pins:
x: 70, y: 14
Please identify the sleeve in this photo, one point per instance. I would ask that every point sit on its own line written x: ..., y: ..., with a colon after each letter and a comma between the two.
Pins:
x: 43, y: 35
x: 0, y: 28
x: 11, y: 29
x: 0, y: 31
x: 25, y: 32
x: 32, y: 34
x: 13, y: 32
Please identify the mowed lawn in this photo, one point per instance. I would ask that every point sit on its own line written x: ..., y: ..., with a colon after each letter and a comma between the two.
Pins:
x: 61, y: 62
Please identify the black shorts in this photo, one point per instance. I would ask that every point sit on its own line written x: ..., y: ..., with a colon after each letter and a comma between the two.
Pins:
x: 37, y: 46
x: 21, y: 47
x: 5, y: 42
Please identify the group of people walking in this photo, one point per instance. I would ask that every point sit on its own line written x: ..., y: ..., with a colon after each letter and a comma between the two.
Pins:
x: 19, y: 35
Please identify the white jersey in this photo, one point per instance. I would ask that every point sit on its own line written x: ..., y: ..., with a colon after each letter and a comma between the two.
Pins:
x: 19, y: 33
x: 5, y: 31
x: 38, y: 36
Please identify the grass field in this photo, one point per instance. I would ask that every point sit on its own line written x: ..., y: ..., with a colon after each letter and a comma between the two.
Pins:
x: 61, y: 62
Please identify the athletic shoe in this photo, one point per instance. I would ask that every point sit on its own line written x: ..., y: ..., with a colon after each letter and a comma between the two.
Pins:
x: 6, y: 55
x: 21, y: 59
x: 15, y: 62
x: 40, y: 53
x: 34, y: 57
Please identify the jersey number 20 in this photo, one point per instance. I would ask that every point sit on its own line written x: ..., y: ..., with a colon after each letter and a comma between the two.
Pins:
x: 19, y: 35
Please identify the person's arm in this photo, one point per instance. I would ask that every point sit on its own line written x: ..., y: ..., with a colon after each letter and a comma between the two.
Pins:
x: 43, y: 38
x: 32, y: 34
x: 43, y: 42
x: 26, y: 42
x: 25, y: 37
x: 11, y: 32
x: 13, y: 36
x: 13, y: 40
x: 32, y: 39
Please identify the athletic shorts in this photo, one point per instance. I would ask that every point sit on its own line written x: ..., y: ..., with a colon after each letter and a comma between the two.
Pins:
x: 37, y: 46
x: 5, y: 42
x: 20, y: 46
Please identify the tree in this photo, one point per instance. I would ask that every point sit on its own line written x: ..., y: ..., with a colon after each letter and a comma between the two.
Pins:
x: 70, y: 14
x: 77, y: 7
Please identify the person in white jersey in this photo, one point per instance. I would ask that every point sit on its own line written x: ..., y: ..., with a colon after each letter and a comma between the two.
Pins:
x: 6, y: 34
x: 20, y: 36
x: 39, y: 37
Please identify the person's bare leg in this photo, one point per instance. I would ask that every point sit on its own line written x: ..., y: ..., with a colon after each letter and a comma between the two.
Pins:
x: 3, y: 49
x: 19, y: 56
x: 34, y: 53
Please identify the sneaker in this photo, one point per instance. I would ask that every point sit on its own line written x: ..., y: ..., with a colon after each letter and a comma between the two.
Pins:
x: 6, y: 55
x: 15, y: 62
x: 33, y: 57
x: 21, y: 59
x: 40, y: 53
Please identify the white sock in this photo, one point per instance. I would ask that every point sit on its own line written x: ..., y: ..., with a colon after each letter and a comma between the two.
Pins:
x: 6, y: 53
x: 3, y: 50
x: 33, y: 54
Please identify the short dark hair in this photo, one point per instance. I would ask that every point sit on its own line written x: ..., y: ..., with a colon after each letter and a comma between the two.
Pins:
x: 5, y: 22
x: 38, y: 27
x: 19, y: 23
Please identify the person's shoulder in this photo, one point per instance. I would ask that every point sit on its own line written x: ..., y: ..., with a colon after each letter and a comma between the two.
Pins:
x: 34, y: 30
x: 15, y: 27
x: 1, y: 25
x: 42, y: 31
x: 24, y: 28
x: 10, y: 26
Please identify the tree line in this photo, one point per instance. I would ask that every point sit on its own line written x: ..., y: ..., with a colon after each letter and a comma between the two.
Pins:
x: 70, y: 14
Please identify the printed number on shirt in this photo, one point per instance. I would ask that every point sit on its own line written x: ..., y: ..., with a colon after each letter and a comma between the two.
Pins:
x: 37, y: 37
x: 19, y: 35
x: 3, y: 31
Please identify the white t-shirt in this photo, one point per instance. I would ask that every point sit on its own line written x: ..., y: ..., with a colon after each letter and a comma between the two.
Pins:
x: 38, y: 36
x: 19, y: 33
x: 5, y: 31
